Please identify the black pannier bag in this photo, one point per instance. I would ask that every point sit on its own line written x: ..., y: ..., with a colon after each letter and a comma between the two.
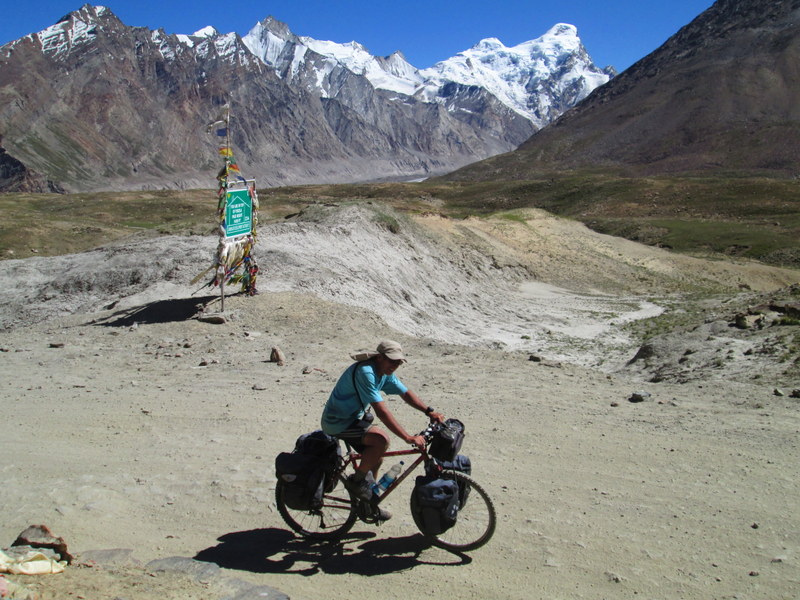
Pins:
x: 462, y: 464
x: 447, y: 441
x: 434, y: 504
x: 306, y: 472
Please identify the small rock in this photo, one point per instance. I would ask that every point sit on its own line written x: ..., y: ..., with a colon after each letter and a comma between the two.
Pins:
x: 795, y: 393
x: 216, y: 319
x: 259, y: 387
x: 535, y: 358
x: 615, y: 404
x: 778, y: 559
x: 306, y: 370
x: 40, y: 536
x: 639, y: 397
x: 613, y: 577
x: 778, y: 392
x: 56, y: 344
x: 199, y: 571
x: 277, y: 356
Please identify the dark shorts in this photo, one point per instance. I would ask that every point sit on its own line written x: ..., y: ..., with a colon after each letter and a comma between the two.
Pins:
x: 355, y: 432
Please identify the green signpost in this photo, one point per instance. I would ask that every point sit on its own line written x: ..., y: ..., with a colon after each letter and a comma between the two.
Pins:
x: 238, y: 213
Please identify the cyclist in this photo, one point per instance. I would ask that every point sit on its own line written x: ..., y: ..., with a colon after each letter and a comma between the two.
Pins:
x: 346, y: 413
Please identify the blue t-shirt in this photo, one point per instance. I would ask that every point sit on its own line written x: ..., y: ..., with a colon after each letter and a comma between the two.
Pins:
x: 344, y: 405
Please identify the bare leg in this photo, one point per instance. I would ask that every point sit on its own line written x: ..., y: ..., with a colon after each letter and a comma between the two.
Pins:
x: 376, y: 442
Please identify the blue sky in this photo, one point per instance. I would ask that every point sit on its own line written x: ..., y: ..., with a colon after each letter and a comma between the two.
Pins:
x: 615, y: 32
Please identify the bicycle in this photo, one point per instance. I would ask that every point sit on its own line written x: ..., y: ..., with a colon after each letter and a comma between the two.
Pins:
x: 474, y: 527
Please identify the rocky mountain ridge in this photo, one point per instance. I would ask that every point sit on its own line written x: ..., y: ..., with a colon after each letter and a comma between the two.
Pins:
x: 91, y: 103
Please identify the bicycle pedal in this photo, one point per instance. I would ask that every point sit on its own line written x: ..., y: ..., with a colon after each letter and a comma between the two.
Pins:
x: 372, y: 515
x: 365, y: 512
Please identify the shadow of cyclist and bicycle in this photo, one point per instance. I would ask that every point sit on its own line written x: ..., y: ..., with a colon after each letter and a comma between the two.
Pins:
x: 275, y: 550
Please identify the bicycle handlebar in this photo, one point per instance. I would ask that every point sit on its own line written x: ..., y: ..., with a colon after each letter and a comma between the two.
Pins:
x: 431, y: 429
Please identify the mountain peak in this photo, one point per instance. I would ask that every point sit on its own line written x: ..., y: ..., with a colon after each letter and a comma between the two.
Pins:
x: 562, y: 29
x: 87, y: 12
x: 75, y: 29
x: 488, y: 44
x: 276, y: 27
x: 206, y: 32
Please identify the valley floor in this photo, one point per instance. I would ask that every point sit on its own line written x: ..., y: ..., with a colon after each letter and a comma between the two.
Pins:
x: 129, y: 424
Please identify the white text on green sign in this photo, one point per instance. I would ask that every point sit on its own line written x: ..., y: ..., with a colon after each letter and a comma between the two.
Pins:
x: 238, y: 213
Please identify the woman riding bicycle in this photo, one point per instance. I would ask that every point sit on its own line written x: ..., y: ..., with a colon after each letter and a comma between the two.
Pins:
x: 346, y: 413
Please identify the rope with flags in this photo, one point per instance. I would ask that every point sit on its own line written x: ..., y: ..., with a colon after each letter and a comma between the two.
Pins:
x: 237, y: 212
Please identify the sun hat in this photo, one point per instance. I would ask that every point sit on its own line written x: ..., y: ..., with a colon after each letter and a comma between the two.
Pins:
x: 390, y: 349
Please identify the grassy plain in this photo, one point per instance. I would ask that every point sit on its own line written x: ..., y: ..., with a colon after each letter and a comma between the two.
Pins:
x: 735, y: 215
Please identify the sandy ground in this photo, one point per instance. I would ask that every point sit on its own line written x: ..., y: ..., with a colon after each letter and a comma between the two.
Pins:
x: 128, y: 424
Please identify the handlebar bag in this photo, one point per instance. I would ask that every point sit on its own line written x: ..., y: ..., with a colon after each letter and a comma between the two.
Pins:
x: 446, y: 442
x: 434, y: 504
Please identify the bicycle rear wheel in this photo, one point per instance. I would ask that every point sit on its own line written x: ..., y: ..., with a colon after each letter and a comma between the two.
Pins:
x: 476, y: 517
x: 331, y: 521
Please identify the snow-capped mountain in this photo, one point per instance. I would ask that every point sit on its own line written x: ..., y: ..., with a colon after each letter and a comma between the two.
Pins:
x: 91, y: 102
x: 538, y: 79
x: 291, y: 56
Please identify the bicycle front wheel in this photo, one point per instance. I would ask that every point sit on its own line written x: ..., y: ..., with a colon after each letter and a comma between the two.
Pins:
x: 476, y: 520
x: 331, y: 521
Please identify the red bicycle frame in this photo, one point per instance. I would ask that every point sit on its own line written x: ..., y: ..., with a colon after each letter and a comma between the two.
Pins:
x: 354, y: 457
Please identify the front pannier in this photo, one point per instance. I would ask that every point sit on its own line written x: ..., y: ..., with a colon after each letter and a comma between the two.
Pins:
x: 434, y: 504
x: 462, y: 464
